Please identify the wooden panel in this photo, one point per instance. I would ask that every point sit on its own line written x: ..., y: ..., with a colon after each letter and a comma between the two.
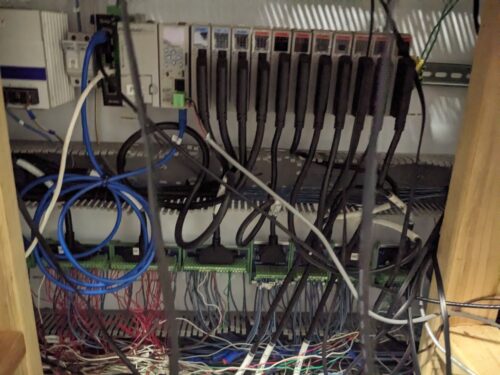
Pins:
x: 16, y: 309
x: 12, y: 351
x: 477, y: 347
x: 469, y: 248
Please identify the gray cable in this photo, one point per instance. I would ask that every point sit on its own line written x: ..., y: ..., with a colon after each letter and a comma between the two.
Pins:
x: 162, y: 260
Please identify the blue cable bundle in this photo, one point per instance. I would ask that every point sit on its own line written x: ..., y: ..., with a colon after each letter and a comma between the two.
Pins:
x: 76, y: 186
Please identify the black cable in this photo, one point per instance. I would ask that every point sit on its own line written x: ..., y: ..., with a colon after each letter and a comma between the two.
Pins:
x: 360, y: 108
x: 274, y: 305
x: 218, y: 216
x: 401, y: 363
x: 282, y: 87
x: 242, y: 101
x: 403, y: 87
x: 416, y: 271
x: 403, y: 51
x: 221, y: 84
x: 417, y: 266
x: 413, y: 342
x: 320, y: 308
x: 202, y: 89
x: 307, y: 252
x: 291, y: 304
x: 261, y: 99
x: 161, y: 258
x: 121, y: 158
x: 372, y: 20
x: 340, y: 103
x: 475, y: 13
x: 47, y: 252
x: 461, y: 304
x: 59, y: 365
x: 281, y: 109
x: 444, y: 312
x: 242, y: 105
x: 323, y: 80
x: 301, y: 94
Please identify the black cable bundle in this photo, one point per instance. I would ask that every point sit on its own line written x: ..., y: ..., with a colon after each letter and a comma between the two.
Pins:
x: 242, y: 105
x: 281, y: 108
x: 203, y: 113
x: 323, y: 80
x: 221, y: 77
x: 301, y: 95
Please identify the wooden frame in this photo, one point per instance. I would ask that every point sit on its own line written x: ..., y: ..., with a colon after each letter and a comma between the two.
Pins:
x: 469, y: 247
x: 16, y: 308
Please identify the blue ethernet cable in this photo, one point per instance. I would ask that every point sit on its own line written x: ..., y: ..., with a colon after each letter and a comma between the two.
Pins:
x: 78, y: 186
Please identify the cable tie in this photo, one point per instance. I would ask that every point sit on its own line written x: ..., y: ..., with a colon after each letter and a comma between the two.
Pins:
x: 269, y: 285
x: 275, y: 208
x: 177, y: 140
x: 21, y: 122
x: 105, y: 182
x: 76, y: 9
x: 394, y: 199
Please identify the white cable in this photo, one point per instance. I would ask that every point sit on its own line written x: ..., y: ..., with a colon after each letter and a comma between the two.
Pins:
x: 440, y: 347
x: 383, y: 222
x: 357, y: 214
x: 202, y: 282
x: 300, y: 361
x: 64, y: 156
x: 315, y: 230
x: 394, y: 199
x: 33, y: 170
x: 397, y: 227
x: 220, y: 193
x: 244, y: 365
x: 263, y: 359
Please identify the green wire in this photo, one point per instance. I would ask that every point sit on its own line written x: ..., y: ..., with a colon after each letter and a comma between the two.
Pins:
x: 448, y: 6
x: 431, y: 41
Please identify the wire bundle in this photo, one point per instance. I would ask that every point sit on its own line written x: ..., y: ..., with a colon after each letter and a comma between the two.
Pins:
x: 205, y: 298
x: 72, y: 187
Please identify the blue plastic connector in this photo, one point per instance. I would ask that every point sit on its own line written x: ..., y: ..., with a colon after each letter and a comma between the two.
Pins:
x: 232, y: 356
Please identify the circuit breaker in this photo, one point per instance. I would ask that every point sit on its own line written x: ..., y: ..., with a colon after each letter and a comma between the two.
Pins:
x: 74, y: 47
x: 145, y: 40
x: 32, y: 61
